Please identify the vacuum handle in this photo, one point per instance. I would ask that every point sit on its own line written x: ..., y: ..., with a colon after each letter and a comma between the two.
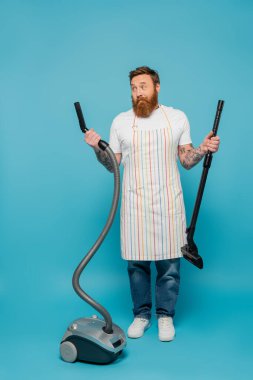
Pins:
x: 79, y: 112
x: 209, y: 156
x: 217, y: 117
x: 102, y: 144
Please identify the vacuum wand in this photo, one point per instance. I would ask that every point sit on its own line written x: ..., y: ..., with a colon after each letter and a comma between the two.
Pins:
x: 190, y: 250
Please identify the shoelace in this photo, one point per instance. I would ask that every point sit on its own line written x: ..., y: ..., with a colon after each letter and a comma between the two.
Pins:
x: 139, y: 321
x: 165, y: 322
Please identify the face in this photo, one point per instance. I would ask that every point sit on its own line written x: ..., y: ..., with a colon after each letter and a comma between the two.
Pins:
x: 144, y: 95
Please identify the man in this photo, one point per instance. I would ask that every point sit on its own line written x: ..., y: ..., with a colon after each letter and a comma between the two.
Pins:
x: 148, y: 139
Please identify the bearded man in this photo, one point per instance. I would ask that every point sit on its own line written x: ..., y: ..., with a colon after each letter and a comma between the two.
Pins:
x: 147, y: 140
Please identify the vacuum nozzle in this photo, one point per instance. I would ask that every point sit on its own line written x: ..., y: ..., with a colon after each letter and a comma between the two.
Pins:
x: 192, y: 256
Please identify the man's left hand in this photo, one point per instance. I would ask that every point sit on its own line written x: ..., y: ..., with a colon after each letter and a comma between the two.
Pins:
x: 210, y: 143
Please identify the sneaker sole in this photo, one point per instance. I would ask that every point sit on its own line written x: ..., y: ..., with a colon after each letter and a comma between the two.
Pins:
x: 167, y: 339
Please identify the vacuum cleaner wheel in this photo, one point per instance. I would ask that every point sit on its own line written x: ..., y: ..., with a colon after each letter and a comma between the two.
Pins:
x: 68, y: 352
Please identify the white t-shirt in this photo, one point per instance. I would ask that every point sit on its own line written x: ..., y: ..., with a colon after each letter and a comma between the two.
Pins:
x: 121, y: 129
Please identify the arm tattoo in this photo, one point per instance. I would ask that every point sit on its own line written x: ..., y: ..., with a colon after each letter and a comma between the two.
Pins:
x: 104, y: 159
x: 190, y: 157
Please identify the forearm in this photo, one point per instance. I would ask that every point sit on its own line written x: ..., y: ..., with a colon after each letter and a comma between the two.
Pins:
x: 190, y: 157
x: 104, y: 159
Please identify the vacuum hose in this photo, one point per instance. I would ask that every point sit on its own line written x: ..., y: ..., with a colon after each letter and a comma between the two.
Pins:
x: 76, y: 276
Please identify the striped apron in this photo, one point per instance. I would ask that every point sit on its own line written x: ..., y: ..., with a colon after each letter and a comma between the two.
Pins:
x: 152, y: 209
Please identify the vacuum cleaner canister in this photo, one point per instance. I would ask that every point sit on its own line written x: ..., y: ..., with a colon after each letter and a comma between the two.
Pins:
x: 94, y: 340
x: 85, y: 340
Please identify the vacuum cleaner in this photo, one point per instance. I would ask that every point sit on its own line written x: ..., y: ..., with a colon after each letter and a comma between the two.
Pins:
x: 92, y: 339
x: 190, y: 250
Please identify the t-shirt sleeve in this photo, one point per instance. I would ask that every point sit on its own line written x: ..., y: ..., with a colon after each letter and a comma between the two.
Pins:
x: 114, y: 139
x: 185, y: 137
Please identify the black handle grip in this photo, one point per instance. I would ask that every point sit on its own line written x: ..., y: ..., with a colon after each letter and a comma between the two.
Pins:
x: 79, y: 112
x: 102, y: 144
x: 217, y: 117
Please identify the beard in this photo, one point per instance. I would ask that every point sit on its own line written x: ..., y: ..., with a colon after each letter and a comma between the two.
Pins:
x: 143, y: 107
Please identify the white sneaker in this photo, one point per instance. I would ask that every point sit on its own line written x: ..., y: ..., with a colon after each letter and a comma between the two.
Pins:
x: 166, y: 329
x: 138, y: 327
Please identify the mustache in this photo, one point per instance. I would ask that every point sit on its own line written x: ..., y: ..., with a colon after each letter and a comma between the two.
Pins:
x: 142, y: 99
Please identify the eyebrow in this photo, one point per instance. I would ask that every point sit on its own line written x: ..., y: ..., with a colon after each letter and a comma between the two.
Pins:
x: 132, y: 84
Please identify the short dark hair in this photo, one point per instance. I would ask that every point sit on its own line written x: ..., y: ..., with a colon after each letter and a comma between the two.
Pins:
x: 145, y: 70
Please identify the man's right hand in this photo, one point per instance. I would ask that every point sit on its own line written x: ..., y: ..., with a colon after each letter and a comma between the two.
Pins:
x: 92, y: 138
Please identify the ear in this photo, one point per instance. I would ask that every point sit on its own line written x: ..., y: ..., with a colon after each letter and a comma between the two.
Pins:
x: 157, y: 86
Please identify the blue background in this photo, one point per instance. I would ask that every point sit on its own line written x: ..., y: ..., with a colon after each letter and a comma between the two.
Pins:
x: 55, y: 196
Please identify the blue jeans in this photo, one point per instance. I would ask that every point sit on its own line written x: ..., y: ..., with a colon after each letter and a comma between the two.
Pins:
x: 167, y: 287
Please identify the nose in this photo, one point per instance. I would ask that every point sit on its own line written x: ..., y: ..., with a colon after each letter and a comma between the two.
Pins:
x: 139, y: 92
